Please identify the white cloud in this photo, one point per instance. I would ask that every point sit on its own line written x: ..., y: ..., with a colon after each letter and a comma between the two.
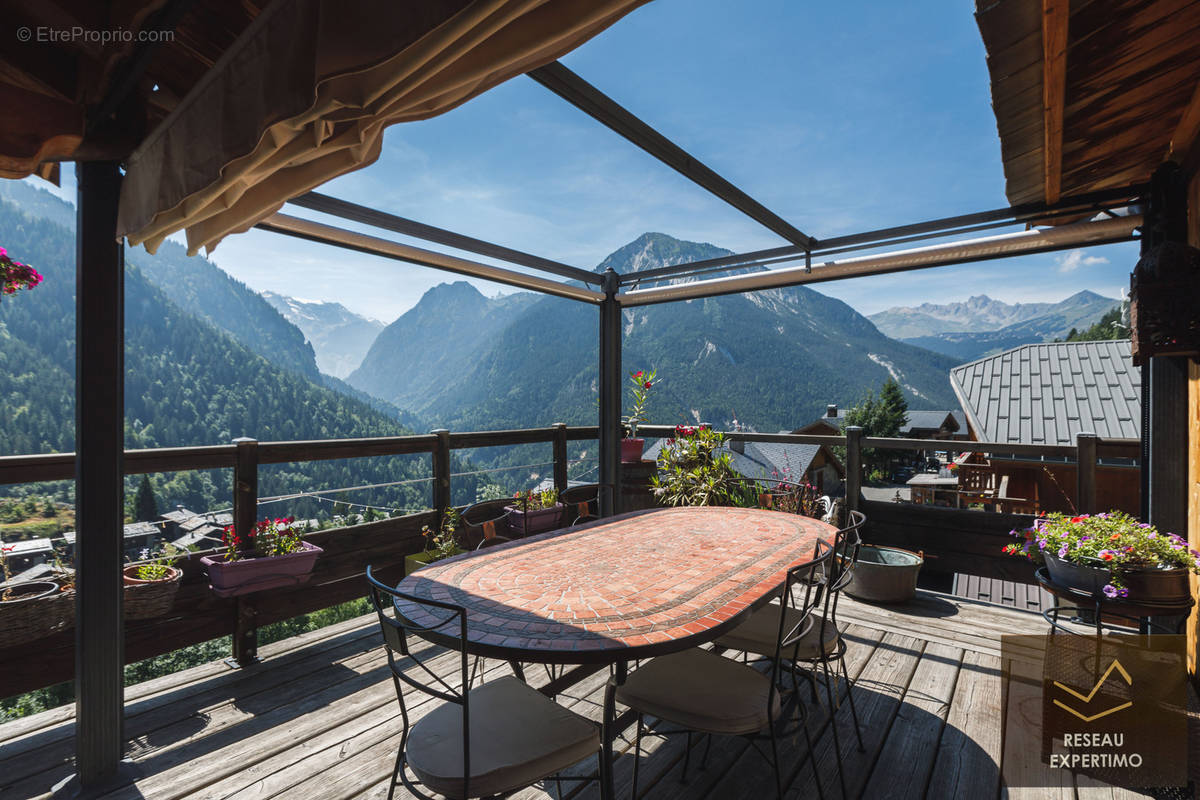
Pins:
x: 1074, y: 259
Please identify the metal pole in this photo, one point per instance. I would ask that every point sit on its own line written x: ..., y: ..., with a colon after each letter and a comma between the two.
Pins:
x: 560, y: 456
x: 610, y: 394
x: 1085, y: 473
x: 99, y: 470
x: 245, y: 517
x: 441, y: 471
x: 1164, y: 378
x: 854, y: 437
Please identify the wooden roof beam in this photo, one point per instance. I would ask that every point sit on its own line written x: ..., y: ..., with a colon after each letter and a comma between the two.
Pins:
x: 591, y: 101
x: 1185, y: 142
x: 1055, y: 17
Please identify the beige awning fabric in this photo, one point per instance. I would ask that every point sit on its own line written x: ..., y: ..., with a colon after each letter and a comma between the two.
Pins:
x: 306, y: 92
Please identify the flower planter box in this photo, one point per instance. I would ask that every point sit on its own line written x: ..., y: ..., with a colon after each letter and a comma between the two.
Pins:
x: 35, y: 610
x: 246, y: 575
x: 423, y: 559
x: 1158, y: 585
x: 1086, y: 578
x: 527, y: 523
x: 150, y: 599
x: 631, y: 450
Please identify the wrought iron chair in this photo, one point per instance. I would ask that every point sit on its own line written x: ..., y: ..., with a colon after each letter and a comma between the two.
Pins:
x: 484, y: 525
x: 582, y: 503
x: 483, y: 741
x: 823, y: 644
x: 704, y: 692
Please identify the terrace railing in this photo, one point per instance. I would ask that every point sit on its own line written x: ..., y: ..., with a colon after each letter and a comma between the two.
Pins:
x: 956, y: 540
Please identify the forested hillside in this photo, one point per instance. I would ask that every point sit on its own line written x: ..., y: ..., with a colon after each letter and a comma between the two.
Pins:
x: 187, y: 383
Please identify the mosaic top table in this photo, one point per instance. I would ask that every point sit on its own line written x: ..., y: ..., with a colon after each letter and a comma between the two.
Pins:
x: 632, y: 586
x: 627, y: 587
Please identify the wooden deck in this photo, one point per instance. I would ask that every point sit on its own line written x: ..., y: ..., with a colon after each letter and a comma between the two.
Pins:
x: 319, y: 719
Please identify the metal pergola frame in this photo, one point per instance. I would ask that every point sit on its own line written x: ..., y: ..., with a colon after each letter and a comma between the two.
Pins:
x: 100, y: 333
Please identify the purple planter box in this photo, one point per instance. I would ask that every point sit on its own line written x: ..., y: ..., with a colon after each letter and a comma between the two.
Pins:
x: 255, y: 574
x: 527, y: 523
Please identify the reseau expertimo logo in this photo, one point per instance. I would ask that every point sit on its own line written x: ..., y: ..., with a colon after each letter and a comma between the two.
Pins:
x: 1111, y: 708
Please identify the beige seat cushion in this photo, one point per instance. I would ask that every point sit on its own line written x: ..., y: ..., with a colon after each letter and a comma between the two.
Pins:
x: 701, y: 691
x: 760, y: 631
x: 518, y: 737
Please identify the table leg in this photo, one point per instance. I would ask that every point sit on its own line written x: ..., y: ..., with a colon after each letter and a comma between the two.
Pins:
x: 608, y: 732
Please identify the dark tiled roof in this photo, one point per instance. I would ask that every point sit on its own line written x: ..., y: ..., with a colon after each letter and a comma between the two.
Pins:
x: 761, y: 459
x: 1047, y: 393
x: 927, y: 420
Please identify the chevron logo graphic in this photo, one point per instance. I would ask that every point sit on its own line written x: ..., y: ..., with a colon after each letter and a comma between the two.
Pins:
x: 1115, y: 666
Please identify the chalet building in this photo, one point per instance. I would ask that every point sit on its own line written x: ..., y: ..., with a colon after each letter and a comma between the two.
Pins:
x: 1047, y: 394
x: 917, y: 424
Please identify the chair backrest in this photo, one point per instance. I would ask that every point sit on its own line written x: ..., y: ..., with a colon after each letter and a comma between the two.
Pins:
x: 582, y: 503
x: 449, y: 619
x: 802, y: 593
x: 483, y: 521
x: 846, y: 546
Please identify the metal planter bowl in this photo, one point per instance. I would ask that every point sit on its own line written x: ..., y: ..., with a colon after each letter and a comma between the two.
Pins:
x: 885, y: 574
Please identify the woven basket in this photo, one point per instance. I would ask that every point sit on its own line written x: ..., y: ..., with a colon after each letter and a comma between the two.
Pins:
x: 35, y: 610
x: 149, y: 599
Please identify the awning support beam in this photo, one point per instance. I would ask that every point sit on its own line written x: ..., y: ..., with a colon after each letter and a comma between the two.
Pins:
x: 314, y: 201
x: 591, y: 101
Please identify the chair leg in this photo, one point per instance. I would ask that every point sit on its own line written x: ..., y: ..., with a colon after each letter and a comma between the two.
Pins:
x: 775, y: 761
x: 687, y: 755
x: 853, y: 711
x: 837, y: 740
x: 637, y: 756
x: 396, y: 772
x: 707, y: 747
x: 812, y: 756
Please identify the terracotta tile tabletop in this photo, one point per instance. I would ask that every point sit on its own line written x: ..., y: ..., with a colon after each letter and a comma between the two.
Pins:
x: 626, y: 587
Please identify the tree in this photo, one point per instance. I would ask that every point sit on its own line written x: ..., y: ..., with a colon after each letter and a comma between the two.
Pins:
x: 881, y: 415
x: 893, y: 409
x: 1109, y: 326
x: 145, y: 506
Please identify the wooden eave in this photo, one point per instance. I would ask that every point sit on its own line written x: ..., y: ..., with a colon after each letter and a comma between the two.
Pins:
x: 1131, y: 72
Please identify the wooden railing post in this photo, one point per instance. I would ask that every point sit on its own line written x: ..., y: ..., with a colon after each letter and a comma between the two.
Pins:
x: 1085, y: 472
x: 854, y: 437
x: 245, y: 517
x: 560, y: 456
x: 441, y: 471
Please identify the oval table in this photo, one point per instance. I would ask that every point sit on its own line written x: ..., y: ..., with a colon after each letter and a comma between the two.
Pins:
x: 628, y: 587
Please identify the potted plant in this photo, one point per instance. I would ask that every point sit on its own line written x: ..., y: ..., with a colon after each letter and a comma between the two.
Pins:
x: 32, y: 609
x: 14, y: 275
x: 631, y: 446
x: 534, y: 512
x: 272, y: 555
x: 439, y: 544
x: 1110, y: 554
x: 692, y: 473
x: 152, y: 583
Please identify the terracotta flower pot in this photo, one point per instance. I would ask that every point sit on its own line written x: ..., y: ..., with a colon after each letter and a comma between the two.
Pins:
x: 631, y: 450
x: 147, y: 599
x: 246, y: 575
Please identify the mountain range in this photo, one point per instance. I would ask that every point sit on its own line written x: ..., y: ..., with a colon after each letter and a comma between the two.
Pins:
x: 339, y: 337
x: 773, y: 359
x: 981, y: 326
x: 188, y: 381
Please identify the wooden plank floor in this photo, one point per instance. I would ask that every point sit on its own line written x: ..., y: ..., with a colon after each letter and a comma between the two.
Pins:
x: 319, y: 719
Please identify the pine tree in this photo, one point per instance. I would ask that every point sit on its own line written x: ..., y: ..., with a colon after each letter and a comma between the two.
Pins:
x: 145, y: 506
x: 893, y: 410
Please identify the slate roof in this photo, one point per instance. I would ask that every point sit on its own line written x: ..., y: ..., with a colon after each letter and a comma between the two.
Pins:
x: 1047, y: 393
x: 761, y: 459
x: 928, y: 420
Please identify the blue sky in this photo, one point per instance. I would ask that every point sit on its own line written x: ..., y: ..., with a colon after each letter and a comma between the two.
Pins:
x: 840, y: 117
